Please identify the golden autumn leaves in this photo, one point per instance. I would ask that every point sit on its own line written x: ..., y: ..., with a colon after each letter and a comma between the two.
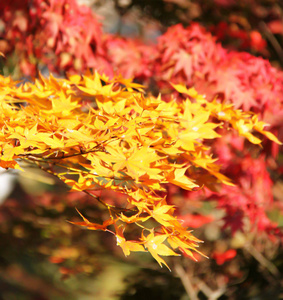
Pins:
x: 94, y: 133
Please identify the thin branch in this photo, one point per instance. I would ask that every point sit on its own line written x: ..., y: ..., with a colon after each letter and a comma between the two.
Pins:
x: 210, y: 294
x: 61, y: 155
x: 270, y: 36
x: 186, y: 281
x: 114, y: 209
x: 262, y: 260
x: 111, y: 208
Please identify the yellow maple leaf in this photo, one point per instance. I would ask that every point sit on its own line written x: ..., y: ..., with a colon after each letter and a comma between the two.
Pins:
x: 93, y: 226
x: 178, y: 177
x: 154, y: 244
x: 183, y: 90
x: 162, y: 213
x: 127, y: 246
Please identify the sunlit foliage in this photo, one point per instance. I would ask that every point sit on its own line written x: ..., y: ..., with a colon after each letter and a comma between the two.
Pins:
x: 96, y: 133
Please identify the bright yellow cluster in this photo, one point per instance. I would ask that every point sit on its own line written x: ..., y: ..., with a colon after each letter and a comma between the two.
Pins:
x: 94, y: 133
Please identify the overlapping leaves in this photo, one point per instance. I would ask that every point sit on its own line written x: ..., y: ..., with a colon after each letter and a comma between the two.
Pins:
x: 94, y: 133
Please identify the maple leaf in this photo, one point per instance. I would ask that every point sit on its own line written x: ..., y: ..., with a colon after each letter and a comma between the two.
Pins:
x: 162, y: 214
x: 93, y: 226
x: 183, y: 63
x: 259, y: 126
x: 154, y: 244
x: 127, y: 246
x: 184, y: 90
x: 133, y: 219
x: 178, y: 177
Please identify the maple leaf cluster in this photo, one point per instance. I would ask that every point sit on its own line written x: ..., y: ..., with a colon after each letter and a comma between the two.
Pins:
x: 130, y: 57
x: 67, y: 37
x: 58, y: 33
x: 249, y: 25
x: 96, y: 133
x: 192, y: 56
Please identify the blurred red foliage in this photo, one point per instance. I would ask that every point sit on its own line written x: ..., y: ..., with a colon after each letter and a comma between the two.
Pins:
x: 59, y: 33
x: 221, y: 258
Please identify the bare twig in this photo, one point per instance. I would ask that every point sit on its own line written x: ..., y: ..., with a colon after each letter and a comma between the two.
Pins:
x: 115, y: 209
x: 186, y: 281
x: 269, y: 35
x: 210, y: 294
x: 262, y: 260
